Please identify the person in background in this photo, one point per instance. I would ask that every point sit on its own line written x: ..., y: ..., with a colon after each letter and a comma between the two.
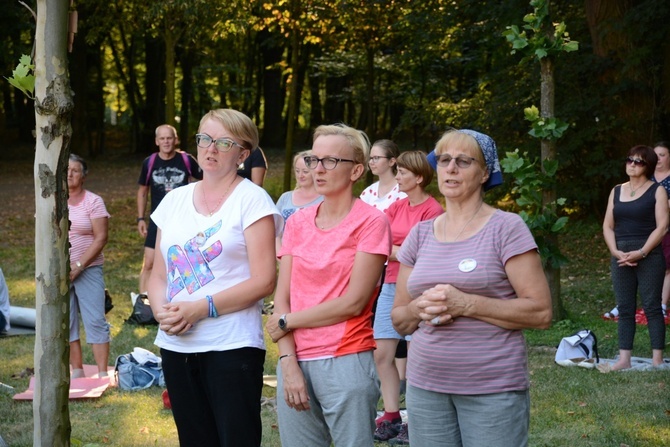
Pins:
x: 88, y: 236
x: 414, y: 175
x: 382, y: 162
x: 161, y: 173
x: 381, y: 195
x: 303, y: 195
x: 331, y: 259
x: 662, y: 176
x: 635, y: 223
x: 4, y: 305
x: 214, y: 265
x: 254, y: 167
x: 469, y: 282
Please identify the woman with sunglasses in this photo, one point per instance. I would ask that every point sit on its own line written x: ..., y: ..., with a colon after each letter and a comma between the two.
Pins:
x: 331, y: 259
x: 469, y: 281
x: 382, y: 163
x: 635, y: 222
x: 215, y: 262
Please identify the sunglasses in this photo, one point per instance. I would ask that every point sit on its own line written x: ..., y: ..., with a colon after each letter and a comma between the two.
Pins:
x: 636, y: 161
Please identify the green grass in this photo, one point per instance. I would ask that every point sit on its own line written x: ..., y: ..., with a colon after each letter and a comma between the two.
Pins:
x: 570, y: 406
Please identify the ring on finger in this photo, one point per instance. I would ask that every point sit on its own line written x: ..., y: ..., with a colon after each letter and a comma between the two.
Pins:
x: 435, y: 320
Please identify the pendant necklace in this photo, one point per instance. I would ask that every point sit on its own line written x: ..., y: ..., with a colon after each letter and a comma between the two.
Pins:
x: 464, y: 226
x: 633, y: 191
x: 211, y: 213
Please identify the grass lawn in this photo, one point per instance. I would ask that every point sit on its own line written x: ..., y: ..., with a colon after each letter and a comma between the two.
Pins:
x: 570, y: 406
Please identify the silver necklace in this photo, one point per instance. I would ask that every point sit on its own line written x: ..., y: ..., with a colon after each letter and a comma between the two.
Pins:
x: 464, y: 226
x: 204, y: 196
x: 633, y: 191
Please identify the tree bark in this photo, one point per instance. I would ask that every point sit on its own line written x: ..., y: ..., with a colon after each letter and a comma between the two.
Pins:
x: 53, y: 109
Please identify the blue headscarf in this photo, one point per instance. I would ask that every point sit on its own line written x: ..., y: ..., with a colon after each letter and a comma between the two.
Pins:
x: 490, y: 152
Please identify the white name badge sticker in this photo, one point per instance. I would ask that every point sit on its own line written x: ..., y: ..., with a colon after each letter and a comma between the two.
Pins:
x: 467, y: 265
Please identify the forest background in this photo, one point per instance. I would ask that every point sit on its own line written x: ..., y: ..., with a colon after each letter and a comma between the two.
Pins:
x: 399, y: 69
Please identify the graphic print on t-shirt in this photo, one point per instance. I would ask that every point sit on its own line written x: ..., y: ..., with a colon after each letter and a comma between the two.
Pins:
x: 168, y: 178
x: 188, y: 266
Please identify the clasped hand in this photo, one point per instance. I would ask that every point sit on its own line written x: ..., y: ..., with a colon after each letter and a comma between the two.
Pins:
x: 628, y: 258
x: 440, y: 304
x: 178, y: 318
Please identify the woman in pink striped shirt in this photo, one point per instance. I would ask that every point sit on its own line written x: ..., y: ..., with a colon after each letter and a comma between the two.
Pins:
x: 88, y: 236
x: 470, y: 280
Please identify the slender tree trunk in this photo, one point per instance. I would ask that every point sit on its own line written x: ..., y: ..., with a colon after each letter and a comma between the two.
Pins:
x: 170, y: 45
x: 53, y: 109
x: 548, y: 152
x: 293, y: 96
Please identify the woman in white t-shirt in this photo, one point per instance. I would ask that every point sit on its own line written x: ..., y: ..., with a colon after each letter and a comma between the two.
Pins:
x: 382, y: 163
x: 214, y: 264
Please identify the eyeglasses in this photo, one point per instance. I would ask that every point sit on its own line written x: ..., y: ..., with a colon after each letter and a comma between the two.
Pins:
x: 376, y: 158
x: 222, y: 144
x: 462, y: 161
x: 636, y: 161
x: 328, y: 163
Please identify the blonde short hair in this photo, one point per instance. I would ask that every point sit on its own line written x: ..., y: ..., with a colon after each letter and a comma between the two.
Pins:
x: 236, y: 123
x: 357, y: 139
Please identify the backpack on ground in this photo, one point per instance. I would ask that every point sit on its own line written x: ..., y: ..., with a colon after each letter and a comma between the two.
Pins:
x: 579, y: 349
x: 139, y: 370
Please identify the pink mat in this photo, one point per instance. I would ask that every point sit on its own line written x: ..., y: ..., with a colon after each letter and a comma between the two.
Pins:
x: 89, y: 387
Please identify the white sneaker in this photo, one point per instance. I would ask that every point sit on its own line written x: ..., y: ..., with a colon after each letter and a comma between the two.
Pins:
x: 612, y: 314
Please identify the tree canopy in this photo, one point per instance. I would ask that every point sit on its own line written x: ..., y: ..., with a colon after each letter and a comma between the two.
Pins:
x: 399, y: 69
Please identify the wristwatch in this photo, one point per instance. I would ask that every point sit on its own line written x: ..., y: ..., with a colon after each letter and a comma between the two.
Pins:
x: 78, y: 264
x: 140, y: 219
x: 283, y: 324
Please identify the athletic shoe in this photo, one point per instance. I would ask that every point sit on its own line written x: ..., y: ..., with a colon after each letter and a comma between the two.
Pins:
x: 402, y: 438
x: 386, y: 430
x: 612, y: 314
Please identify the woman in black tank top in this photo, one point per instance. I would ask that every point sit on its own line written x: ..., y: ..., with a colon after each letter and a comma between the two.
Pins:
x: 635, y: 223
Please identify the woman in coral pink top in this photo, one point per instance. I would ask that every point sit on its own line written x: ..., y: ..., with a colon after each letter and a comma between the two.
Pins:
x: 332, y: 257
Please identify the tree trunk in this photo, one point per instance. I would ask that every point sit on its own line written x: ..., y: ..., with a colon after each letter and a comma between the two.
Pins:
x: 170, y: 45
x: 548, y: 152
x: 53, y: 108
x: 292, y: 97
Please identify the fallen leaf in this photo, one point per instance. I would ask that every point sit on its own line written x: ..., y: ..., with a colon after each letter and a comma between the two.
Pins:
x: 583, y: 404
x: 144, y: 430
x: 571, y: 413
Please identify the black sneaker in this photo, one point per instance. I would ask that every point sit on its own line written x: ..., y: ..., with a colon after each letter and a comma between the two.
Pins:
x: 402, y: 438
x: 386, y: 430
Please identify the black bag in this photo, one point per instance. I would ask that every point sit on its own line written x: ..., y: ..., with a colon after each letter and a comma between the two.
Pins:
x: 108, y: 302
x: 142, y: 313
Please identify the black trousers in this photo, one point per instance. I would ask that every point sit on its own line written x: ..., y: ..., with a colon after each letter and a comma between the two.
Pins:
x: 216, y: 396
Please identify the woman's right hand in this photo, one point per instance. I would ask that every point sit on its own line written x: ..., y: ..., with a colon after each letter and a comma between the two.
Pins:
x: 295, y: 385
x: 171, y: 322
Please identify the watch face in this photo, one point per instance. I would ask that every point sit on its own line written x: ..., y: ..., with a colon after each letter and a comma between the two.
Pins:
x: 282, y: 323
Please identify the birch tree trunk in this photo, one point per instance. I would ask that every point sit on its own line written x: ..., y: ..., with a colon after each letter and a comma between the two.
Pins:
x: 53, y: 109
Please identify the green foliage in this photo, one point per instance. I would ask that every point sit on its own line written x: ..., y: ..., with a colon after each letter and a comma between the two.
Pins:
x: 545, y: 128
x: 542, y: 219
x: 540, y: 44
x: 23, y: 76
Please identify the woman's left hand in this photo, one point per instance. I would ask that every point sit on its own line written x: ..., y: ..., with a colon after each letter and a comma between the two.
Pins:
x: 272, y: 326
x: 629, y: 259
x: 74, y: 272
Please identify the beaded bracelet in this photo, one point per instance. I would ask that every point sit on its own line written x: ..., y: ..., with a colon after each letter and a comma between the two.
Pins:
x: 212, y: 309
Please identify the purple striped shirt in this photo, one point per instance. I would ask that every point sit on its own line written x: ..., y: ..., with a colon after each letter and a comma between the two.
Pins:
x: 468, y: 356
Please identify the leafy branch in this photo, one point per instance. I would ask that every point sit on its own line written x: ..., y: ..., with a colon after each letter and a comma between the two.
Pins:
x: 23, y: 76
x: 542, y: 219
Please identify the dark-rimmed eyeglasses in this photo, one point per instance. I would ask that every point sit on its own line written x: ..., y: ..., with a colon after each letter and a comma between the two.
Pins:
x: 221, y: 144
x: 636, y: 161
x: 328, y: 163
x: 376, y: 158
x: 462, y: 161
